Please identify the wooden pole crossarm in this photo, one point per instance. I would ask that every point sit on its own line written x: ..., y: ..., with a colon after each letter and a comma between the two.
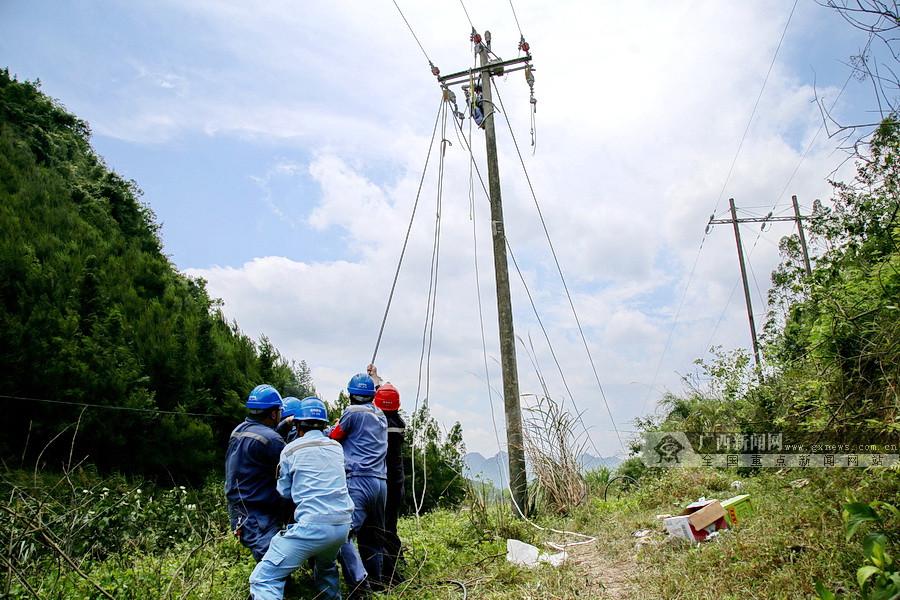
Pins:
x: 468, y: 73
x: 754, y: 220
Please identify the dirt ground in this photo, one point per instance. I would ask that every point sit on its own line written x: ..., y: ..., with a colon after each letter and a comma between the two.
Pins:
x: 611, y: 578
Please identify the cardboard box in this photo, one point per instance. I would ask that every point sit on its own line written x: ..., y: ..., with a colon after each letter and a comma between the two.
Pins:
x: 697, y: 521
x: 737, y: 509
x: 704, y: 515
x: 679, y: 527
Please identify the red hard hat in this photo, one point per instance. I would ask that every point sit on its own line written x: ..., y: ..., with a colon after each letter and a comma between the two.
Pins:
x: 387, y: 397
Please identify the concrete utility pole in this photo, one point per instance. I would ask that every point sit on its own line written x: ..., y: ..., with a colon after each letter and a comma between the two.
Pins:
x: 514, y: 437
x: 802, y: 235
x: 740, y: 251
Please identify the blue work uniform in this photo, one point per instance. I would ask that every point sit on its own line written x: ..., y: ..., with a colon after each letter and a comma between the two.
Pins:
x: 396, y: 478
x: 312, y: 475
x: 254, y: 506
x: 362, y: 431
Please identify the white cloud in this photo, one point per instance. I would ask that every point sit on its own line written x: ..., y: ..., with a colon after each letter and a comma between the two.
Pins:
x: 640, y: 109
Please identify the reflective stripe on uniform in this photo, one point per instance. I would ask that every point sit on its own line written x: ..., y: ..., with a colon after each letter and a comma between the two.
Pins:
x: 396, y: 430
x: 358, y: 408
x: 251, y: 435
x: 295, y: 446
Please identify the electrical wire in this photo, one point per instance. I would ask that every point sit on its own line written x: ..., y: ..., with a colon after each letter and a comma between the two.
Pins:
x: 558, y: 267
x: 722, y: 314
x: 516, y: 17
x: 715, y: 210
x: 537, y: 316
x: 784, y: 189
x: 578, y: 413
x: 113, y: 407
x: 759, y: 294
x: 408, y: 26
x: 408, y: 230
x: 468, y: 18
x: 585, y: 539
x: 755, y: 106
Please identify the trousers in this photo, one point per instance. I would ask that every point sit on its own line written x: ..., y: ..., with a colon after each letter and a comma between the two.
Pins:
x: 289, y: 550
x: 388, y: 539
x: 257, y: 528
x: 368, y: 495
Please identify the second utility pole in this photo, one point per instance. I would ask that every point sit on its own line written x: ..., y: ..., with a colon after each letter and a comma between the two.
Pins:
x: 740, y: 251
x: 516, y: 447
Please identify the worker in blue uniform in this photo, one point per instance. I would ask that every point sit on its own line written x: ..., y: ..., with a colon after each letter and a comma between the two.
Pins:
x: 254, y: 507
x: 286, y: 427
x: 362, y: 431
x: 387, y: 399
x: 311, y: 474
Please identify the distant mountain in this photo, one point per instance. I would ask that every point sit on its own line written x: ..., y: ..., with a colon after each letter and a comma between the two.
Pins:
x: 589, y: 462
x: 495, y: 469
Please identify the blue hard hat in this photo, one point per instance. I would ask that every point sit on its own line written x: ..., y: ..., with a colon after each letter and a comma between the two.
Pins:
x: 262, y: 397
x: 361, y: 385
x: 311, y: 409
x: 291, y: 407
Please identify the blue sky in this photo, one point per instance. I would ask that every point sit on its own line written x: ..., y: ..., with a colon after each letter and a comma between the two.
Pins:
x: 280, y: 147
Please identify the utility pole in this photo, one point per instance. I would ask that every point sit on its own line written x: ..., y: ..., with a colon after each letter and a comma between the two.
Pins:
x: 514, y: 436
x: 740, y: 251
x: 802, y: 235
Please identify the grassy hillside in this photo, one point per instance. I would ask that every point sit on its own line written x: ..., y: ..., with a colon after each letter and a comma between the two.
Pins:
x: 133, y: 540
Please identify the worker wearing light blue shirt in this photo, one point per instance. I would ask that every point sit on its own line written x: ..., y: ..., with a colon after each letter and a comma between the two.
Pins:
x: 311, y: 473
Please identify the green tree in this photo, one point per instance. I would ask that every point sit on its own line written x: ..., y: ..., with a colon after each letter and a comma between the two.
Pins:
x: 92, y: 312
x: 434, y: 464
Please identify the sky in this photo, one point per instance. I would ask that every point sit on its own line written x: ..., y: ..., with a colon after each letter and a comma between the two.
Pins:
x: 280, y: 145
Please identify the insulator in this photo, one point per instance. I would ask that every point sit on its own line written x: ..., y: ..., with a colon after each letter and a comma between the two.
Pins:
x: 435, y: 71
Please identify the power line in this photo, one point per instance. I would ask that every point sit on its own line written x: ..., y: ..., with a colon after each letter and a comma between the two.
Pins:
x: 552, y: 351
x: 755, y: 107
x: 715, y: 210
x: 408, y: 26
x: 113, y: 407
x: 461, y: 3
x: 803, y: 156
x: 578, y: 413
x: 807, y: 151
x: 516, y: 17
x: 558, y: 267
x: 722, y: 314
